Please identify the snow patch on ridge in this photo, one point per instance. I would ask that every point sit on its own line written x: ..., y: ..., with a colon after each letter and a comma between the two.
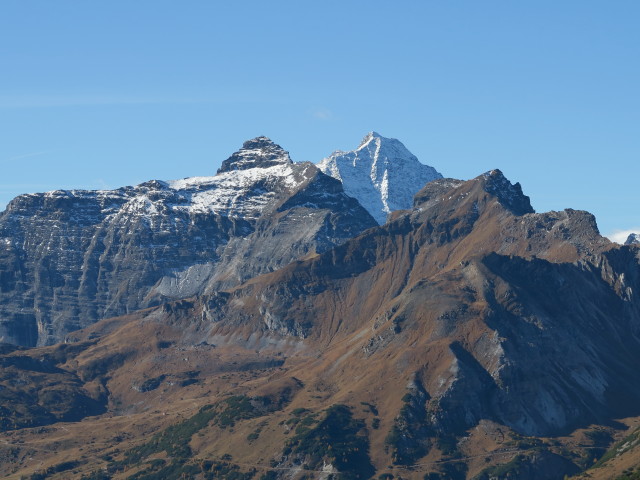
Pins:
x: 253, y: 178
x: 234, y: 193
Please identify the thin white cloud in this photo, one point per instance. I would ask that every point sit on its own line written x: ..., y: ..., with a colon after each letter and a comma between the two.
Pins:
x: 322, y: 114
x: 100, y: 184
x: 11, y: 187
x: 46, y: 101
x: 22, y: 157
x: 620, y: 236
x: 91, y: 100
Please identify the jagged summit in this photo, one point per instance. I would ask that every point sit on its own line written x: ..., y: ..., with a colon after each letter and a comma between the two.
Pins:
x: 381, y: 174
x: 633, y: 239
x: 259, y: 152
x: 391, y: 148
x: 369, y: 137
x: 509, y: 194
x: 493, y: 182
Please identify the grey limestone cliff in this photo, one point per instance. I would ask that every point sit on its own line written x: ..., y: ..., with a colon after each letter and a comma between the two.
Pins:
x: 71, y: 258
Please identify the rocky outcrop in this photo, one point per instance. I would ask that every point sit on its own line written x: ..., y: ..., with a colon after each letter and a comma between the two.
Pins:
x: 633, y: 239
x: 70, y: 258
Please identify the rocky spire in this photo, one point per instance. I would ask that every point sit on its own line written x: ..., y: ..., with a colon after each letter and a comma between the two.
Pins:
x: 259, y: 152
x: 509, y: 194
x: 633, y: 239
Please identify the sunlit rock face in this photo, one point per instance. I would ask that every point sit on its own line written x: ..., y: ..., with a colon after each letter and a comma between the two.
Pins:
x: 70, y: 258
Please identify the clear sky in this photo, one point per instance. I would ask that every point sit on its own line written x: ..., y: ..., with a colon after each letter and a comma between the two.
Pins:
x: 104, y: 94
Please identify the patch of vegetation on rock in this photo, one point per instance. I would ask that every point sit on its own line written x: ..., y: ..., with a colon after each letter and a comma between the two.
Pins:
x: 240, y: 407
x: 620, y: 447
x: 48, y: 472
x: 174, y: 440
x: 630, y: 474
x: 337, y: 439
x: 537, y: 464
x: 511, y: 469
x: 96, y: 475
x: 183, y: 469
x: 410, y: 436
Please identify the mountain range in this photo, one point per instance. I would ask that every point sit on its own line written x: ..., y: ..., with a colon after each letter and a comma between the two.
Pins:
x: 274, y: 321
x: 70, y: 258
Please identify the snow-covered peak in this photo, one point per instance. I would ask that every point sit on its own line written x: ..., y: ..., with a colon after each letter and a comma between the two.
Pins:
x: 368, y: 138
x: 246, y: 183
x: 259, y: 152
x: 390, y: 148
x: 633, y: 239
x: 381, y: 174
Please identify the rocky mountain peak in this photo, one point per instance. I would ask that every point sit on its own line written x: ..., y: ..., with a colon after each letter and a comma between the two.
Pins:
x: 381, y: 173
x: 371, y: 136
x: 493, y: 182
x: 259, y: 152
x: 392, y: 149
x: 633, y: 239
x: 510, y: 195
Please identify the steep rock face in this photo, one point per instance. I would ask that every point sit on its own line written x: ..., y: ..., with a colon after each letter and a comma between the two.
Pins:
x: 633, y: 239
x: 381, y: 173
x: 317, y: 217
x: 69, y: 258
x: 474, y: 295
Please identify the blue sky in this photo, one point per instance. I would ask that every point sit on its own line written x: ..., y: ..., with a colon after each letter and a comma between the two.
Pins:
x: 104, y: 94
